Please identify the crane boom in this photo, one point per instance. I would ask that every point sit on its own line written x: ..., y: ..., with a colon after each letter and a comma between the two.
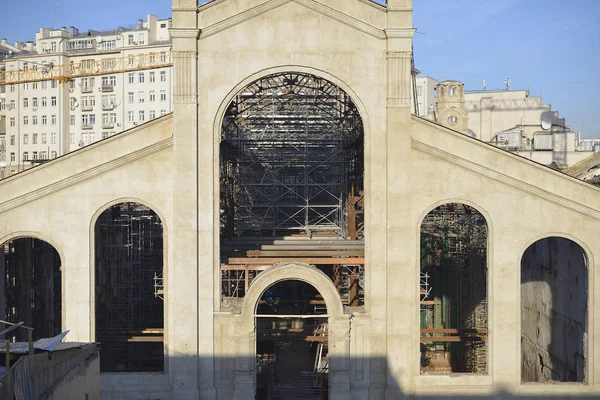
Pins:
x: 66, y: 72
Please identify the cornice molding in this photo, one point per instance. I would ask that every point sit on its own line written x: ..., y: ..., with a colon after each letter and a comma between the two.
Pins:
x: 272, y: 4
x: 507, y: 180
x: 92, y: 172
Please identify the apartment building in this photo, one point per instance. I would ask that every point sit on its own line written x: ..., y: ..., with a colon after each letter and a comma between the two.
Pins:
x: 116, y: 79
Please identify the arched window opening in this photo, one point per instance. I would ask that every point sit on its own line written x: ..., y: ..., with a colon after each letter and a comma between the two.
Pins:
x: 291, y: 342
x: 291, y: 183
x: 453, y: 290
x: 554, y: 311
x: 30, y: 277
x: 128, y: 289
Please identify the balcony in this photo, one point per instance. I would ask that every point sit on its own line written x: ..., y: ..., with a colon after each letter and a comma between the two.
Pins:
x: 87, y: 107
x: 108, y: 107
x: 108, y: 125
x: 86, y: 89
x: 107, y: 88
x: 87, y: 126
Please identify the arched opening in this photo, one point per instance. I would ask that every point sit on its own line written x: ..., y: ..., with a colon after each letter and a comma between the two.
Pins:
x: 129, y: 308
x: 291, y: 342
x: 554, y: 311
x: 291, y: 183
x: 453, y: 290
x: 30, y: 277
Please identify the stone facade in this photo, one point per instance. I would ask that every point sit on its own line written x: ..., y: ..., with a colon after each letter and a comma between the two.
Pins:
x: 411, y: 167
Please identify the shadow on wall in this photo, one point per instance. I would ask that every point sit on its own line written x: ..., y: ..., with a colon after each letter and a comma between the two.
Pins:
x: 364, y: 384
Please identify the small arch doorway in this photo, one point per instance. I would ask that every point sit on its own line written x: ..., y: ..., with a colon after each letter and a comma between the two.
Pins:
x: 292, y: 360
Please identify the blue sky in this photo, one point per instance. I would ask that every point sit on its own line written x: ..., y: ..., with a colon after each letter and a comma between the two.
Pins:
x: 551, y: 45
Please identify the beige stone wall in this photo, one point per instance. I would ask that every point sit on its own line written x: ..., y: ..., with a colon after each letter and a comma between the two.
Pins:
x: 411, y: 166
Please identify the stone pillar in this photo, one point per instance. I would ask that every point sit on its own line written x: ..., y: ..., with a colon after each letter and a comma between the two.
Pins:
x: 401, y: 275
x: 245, y: 362
x: 2, y: 286
x: 183, y: 354
x: 339, y: 358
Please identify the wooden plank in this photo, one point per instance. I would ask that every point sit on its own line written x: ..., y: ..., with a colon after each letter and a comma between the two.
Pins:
x: 226, y: 267
x: 292, y: 316
x: 311, y: 246
x: 305, y: 260
x: 452, y: 339
x: 305, y: 253
x: 12, y: 328
x: 453, y: 331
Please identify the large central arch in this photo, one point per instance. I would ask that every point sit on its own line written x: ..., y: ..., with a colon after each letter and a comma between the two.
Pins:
x: 291, y: 167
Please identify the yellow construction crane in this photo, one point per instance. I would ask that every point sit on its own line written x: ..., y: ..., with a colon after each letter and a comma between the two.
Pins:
x: 67, y: 72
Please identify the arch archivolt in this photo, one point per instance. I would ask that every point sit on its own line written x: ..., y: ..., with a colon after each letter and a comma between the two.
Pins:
x: 339, y: 326
x: 36, y: 235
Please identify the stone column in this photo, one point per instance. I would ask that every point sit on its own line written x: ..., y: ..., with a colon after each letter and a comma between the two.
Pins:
x: 401, y: 294
x: 182, y: 269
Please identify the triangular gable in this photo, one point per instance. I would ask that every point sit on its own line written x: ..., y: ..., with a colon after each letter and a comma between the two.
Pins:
x: 215, y: 16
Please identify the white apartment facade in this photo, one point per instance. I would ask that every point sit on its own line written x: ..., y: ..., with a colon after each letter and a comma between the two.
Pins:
x: 426, y: 99
x: 119, y: 89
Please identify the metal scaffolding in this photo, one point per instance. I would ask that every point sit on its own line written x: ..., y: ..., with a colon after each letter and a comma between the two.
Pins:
x: 32, y: 287
x: 291, y: 153
x: 454, y: 288
x: 129, y: 314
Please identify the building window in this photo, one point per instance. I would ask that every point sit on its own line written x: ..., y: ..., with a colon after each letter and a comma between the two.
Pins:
x: 163, y: 57
x: 53, y: 84
x: 152, y: 114
x: 140, y: 38
x: 163, y: 112
x: 44, y: 85
x: 34, y: 85
x: 109, y: 44
x: 12, y: 140
x: 131, y: 77
x: 25, y: 156
x: 53, y: 154
x: 34, y: 138
x: 141, y: 77
x: 141, y: 97
x: 53, y: 101
x: 44, y: 119
x: 12, y: 157
x: 130, y: 97
x: 44, y: 101
x: 12, y: 104
x: 452, y: 91
x: 92, y: 139
x: 25, y: 85
x: 104, y: 135
x: 130, y: 39
x: 25, y: 120
x: 152, y: 76
x: 44, y: 138
x: 34, y: 102
x: 12, y: 88
x: 53, y: 120
x: 34, y: 120
x: 43, y: 155
x: 53, y: 138
x: 88, y: 119
x: 25, y: 102
x: 53, y: 47
x: 152, y: 96
x: 26, y: 138
x: 163, y: 95
x: 12, y: 121
x: 35, y: 155
x: 163, y: 76
x: 141, y: 116
x: 72, y: 120
x: 131, y: 116
x: 72, y: 138
x: 452, y: 120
